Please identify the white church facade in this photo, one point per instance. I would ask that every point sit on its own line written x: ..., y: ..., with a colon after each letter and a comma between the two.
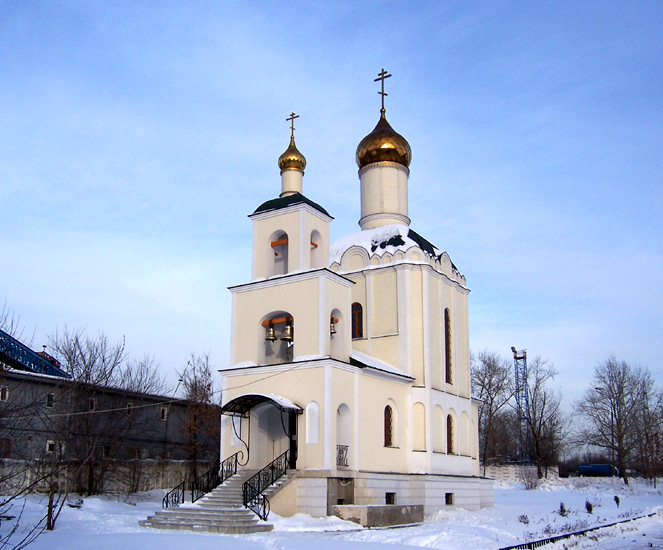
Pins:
x: 351, y: 360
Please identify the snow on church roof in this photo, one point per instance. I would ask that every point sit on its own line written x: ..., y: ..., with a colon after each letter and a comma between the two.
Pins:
x: 388, y: 238
x: 289, y: 200
x: 375, y: 363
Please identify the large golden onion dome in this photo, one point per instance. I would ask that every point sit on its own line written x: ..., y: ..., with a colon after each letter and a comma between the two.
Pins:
x: 292, y: 159
x: 383, y: 144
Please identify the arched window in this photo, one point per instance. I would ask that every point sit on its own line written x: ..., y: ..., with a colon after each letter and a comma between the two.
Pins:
x: 450, y: 435
x: 447, y: 346
x: 357, y: 320
x: 388, y: 427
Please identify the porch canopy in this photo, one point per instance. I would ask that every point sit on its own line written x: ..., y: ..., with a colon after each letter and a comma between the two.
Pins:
x: 244, y: 403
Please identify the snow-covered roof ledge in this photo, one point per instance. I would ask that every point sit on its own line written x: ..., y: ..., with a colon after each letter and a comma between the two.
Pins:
x: 386, y: 239
x: 377, y: 364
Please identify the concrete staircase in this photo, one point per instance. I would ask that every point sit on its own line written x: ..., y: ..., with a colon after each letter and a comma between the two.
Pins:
x: 220, y: 511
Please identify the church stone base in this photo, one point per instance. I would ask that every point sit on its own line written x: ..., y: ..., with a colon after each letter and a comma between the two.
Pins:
x: 317, y: 492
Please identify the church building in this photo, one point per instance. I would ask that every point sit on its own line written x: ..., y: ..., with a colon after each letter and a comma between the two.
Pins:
x: 350, y: 360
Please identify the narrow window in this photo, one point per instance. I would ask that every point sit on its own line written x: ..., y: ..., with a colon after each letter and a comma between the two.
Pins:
x: 50, y: 446
x: 92, y: 404
x: 4, y: 393
x: 164, y: 413
x: 450, y: 435
x: 390, y: 498
x: 449, y: 499
x: 129, y: 408
x: 357, y: 320
x: 447, y: 346
x: 50, y: 400
x: 388, y: 416
x: 107, y: 451
x: 5, y: 447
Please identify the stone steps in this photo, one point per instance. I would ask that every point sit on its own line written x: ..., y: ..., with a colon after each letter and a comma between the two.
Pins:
x: 220, y: 511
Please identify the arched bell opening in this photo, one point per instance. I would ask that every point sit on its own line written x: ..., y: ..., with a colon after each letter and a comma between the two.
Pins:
x: 277, y: 254
x: 317, y: 258
x: 276, y: 338
x: 337, y: 336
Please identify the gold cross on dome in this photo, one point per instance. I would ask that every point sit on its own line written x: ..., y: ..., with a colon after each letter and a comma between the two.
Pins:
x: 292, y: 118
x: 382, y: 76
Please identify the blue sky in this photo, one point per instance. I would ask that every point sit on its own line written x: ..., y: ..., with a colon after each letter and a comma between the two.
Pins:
x: 135, y: 137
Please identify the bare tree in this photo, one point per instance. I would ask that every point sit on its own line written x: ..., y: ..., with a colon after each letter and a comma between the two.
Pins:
x: 546, y: 423
x: 203, y: 422
x: 649, y: 452
x: 10, y: 322
x: 612, y: 409
x: 492, y: 385
x: 98, y: 417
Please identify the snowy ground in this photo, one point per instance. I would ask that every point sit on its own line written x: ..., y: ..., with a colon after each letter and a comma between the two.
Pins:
x: 111, y: 524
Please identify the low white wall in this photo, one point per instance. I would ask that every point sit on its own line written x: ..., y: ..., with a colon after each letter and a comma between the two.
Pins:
x: 310, y: 491
x: 515, y: 472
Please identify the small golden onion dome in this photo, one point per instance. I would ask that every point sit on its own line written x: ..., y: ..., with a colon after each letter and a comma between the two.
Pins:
x: 292, y: 159
x: 383, y: 144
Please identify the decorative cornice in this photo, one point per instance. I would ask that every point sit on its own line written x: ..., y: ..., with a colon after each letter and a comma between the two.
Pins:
x: 387, y: 164
x: 405, y: 264
x: 316, y: 363
x: 385, y: 215
x: 294, y: 276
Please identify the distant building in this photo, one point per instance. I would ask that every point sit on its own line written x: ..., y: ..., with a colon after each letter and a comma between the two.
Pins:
x: 46, y: 416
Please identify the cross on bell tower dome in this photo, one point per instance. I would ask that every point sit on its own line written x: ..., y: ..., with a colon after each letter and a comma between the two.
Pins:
x: 292, y: 164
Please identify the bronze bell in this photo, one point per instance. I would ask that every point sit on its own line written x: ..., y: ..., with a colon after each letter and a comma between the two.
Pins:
x: 271, y: 335
x: 332, y: 326
x: 287, y: 333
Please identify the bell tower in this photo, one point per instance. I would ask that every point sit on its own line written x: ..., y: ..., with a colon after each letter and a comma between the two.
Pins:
x: 294, y: 305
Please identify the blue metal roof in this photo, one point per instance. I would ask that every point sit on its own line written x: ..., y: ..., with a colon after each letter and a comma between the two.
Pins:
x: 19, y: 356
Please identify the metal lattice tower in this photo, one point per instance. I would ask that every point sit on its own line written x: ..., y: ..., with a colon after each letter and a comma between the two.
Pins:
x: 522, y: 403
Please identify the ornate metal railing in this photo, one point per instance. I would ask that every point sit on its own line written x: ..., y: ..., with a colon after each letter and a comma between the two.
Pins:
x: 342, y: 455
x: 215, y: 476
x: 205, y: 483
x: 21, y: 356
x: 229, y: 466
x: 253, y: 488
x: 175, y: 497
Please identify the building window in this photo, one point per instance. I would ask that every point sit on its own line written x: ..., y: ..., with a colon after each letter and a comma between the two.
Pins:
x: 447, y: 346
x: 357, y: 320
x: 4, y: 393
x: 50, y: 446
x: 92, y: 404
x: 107, y: 451
x: 50, y: 400
x: 129, y: 408
x: 449, y: 499
x: 390, y: 498
x: 388, y: 426
x: 450, y: 435
x: 164, y: 413
x: 5, y: 447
